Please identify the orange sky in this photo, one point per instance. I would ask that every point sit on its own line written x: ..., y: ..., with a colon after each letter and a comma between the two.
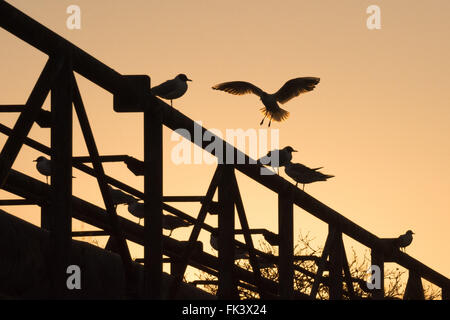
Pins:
x: 379, y: 120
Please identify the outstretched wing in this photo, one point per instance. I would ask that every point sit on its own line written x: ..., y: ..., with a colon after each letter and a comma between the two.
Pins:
x: 238, y: 88
x: 294, y: 87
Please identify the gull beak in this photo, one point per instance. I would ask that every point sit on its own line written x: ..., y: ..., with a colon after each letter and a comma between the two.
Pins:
x: 188, y: 80
x: 35, y: 160
x: 294, y: 151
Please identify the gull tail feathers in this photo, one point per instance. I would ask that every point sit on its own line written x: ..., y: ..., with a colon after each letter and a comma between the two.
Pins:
x: 279, y: 115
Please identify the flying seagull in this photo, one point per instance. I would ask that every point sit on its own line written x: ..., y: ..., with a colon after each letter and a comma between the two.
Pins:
x: 271, y: 110
x: 302, y: 174
x: 278, y: 158
x: 172, y: 89
x: 44, y: 167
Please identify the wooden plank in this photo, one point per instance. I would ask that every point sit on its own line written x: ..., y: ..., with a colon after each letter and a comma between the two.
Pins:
x: 414, y: 287
x: 94, y: 233
x: 247, y: 236
x: 26, y: 119
x: 102, y: 182
x: 12, y: 107
x: 153, y: 191
x: 110, y: 158
x: 286, y: 245
x: 347, y: 274
x: 61, y: 179
x: 377, y: 259
x: 227, y: 285
x: 16, y: 202
x: 183, y: 198
x: 195, y: 231
x: 321, y: 264
x: 336, y: 265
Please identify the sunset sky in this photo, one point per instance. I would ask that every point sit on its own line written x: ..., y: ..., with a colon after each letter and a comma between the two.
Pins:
x: 379, y: 120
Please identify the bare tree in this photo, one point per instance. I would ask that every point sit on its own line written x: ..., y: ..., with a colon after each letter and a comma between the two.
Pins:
x: 394, y: 278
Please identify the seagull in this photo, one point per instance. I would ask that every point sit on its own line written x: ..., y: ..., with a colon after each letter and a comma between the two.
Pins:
x: 271, y: 110
x: 214, y: 207
x: 172, y: 89
x: 134, y: 165
x: 170, y: 222
x: 136, y: 209
x: 404, y: 240
x: 44, y: 167
x: 280, y: 157
x: 120, y: 197
x: 302, y: 174
x: 239, y: 253
x: 271, y: 238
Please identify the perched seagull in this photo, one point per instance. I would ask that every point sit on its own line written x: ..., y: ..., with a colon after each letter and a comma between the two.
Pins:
x: 136, y: 209
x: 120, y: 197
x: 214, y: 207
x: 239, y: 253
x: 134, y: 165
x: 302, y: 174
x: 172, y: 89
x: 272, y: 110
x: 404, y: 240
x: 170, y: 222
x: 44, y: 167
x: 271, y: 238
x: 281, y: 157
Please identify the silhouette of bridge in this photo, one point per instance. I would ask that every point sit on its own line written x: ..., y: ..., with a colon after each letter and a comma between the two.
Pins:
x: 46, y: 252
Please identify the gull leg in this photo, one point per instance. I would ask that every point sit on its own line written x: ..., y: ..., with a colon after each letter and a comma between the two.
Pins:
x: 262, y: 121
x: 170, y: 233
x: 270, y: 121
x: 303, y: 187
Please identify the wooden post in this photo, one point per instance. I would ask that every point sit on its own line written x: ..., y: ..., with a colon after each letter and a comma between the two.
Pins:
x: 248, y: 238
x: 286, y: 246
x: 61, y: 178
x: 336, y: 265
x: 414, y: 287
x: 377, y: 259
x: 153, y: 189
x: 227, y: 286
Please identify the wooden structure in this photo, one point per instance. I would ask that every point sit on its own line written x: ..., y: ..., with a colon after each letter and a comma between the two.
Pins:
x: 132, y: 94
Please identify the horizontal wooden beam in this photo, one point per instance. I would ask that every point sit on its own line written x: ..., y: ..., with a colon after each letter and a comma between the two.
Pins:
x: 12, y: 108
x: 95, y: 233
x: 16, y: 202
x: 112, y: 158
